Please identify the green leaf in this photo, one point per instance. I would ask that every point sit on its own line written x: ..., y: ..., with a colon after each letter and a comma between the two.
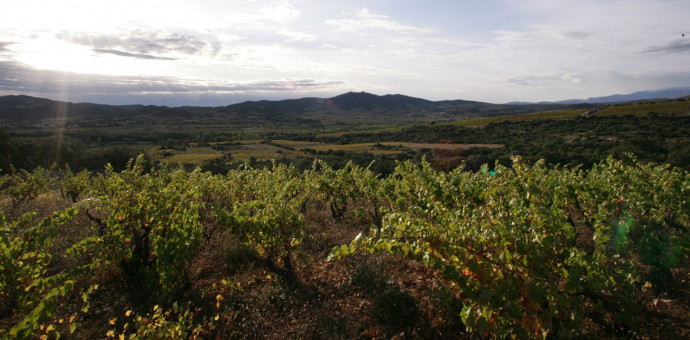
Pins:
x: 344, y: 250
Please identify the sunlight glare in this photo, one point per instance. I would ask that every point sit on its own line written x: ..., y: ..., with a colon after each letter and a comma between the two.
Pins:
x: 56, y: 55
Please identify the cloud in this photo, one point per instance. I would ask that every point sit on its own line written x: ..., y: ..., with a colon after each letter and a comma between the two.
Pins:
x: 513, y: 36
x: 547, y: 80
x: 490, y: 47
x: 276, y: 13
x: 366, y: 21
x: 521, y: 81
x: 127, y: 54
x: 298, y: 36
x: 140, y: 42
x: 281, y: 13
x: 574, y: 35
x: 4, y: 44
x: 572, y: 78
x: 592, y: 83
x: 674, y: 47
x: 16, y: 78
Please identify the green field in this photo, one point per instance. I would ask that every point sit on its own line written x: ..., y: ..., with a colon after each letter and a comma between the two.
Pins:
x: 246, y: 150
x: 195, y: 158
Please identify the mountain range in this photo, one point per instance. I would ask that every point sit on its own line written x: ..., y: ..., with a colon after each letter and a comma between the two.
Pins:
x: 22, y: 109
x: 670, y: 93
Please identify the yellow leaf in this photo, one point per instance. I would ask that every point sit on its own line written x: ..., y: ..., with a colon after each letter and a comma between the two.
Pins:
x: 112, y: 321
x: 128, y: 313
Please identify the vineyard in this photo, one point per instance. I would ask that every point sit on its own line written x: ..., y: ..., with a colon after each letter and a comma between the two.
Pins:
x: 527, y: 251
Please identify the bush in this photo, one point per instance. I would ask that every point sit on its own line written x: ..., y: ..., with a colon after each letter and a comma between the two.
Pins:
x: 510, y: 242
x: 149, y: 225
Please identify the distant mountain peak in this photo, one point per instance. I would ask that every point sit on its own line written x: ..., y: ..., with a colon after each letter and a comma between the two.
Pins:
x: 669, y: 93
x: 364, y: 100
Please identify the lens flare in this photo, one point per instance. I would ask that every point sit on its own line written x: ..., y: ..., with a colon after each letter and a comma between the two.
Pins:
x: 622, y: 230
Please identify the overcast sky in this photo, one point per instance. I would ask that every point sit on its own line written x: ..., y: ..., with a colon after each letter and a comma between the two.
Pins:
x: 176, y: 52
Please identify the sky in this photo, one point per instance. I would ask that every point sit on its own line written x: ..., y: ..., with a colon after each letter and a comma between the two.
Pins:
x: 220, y: 52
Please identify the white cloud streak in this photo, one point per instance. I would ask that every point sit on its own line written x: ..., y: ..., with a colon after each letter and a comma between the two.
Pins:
x: 672, y: 47
x: 365, y: 21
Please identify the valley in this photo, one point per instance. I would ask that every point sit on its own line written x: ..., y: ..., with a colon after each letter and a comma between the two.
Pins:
x: 384, y: 129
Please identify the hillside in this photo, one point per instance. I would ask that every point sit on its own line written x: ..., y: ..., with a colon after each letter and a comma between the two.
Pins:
x: 351, y: 105
x: 27, y: 108
x: 363, y: 100
x: 343, y: 109
x: 390, y: 109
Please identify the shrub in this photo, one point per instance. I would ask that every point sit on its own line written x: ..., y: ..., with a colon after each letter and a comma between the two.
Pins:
x: 148, y: 226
